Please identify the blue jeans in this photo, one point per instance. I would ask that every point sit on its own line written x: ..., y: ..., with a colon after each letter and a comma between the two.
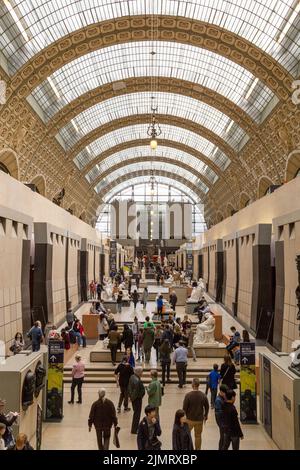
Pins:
x: 78, y: 337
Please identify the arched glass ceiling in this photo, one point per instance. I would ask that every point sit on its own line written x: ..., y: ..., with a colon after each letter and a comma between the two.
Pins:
x: 113, y: 193
x: 169, y: 104
x: 174, y: 60
x: 145, y: 151
x: 155, y: 166
x: 270, y: 25
x: 139, y: 131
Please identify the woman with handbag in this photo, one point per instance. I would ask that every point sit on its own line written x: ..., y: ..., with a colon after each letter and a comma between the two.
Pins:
x: 227, y: 373
x: 148, y: 431
x: 17, y: 344
x: 102, y: 327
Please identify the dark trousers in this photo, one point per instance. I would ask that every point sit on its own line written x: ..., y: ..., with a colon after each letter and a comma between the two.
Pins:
x: 221, y: 430
x: 137, y: 409
x: 181, y: 372
x: 123, y: 396
x: 173, y: 307
x: 165, y: 367
x: 76, y: 383
x: 213, y: 396
x: 234, y: 440
x: 159, y: 311
x: 103, y: 437
x: 147, y: 354
x: 83, y: 337
x: 36, y: 346
x: 113, y: 352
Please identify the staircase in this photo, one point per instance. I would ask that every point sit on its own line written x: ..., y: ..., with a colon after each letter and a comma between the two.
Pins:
x: 104, y: 374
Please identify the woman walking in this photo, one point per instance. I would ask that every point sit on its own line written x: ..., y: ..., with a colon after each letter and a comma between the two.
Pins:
x: 77, y: 379
x: 227, y: 373
x: 165, y: 360
x: 119, y: 301
x: 145, y: 299
x: 114, y: 340
x: 135, y: 331
x: 135, y: 298
x: 181, y: 436
x: 127, y: 337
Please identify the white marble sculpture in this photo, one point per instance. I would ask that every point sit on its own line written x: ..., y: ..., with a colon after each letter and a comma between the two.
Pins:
x: 201, y: 284
x: 205, y: 332
x: 108, y: 290
x: 196, y: 294
x: 166, y: 264
x: 143, y: 272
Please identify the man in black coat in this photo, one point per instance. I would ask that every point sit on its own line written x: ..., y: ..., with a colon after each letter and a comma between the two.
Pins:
x: 148, y: 431
x: 103, y: 417
x: 232, y: 428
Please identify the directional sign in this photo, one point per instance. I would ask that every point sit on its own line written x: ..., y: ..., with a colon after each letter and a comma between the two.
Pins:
x: 54, y: 405
x: 248, y: 383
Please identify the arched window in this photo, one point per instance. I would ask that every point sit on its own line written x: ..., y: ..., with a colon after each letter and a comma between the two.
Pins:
x: 4, y: 168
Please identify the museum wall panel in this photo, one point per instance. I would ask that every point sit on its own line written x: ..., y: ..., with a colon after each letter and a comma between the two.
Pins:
x: 73, y: 270
x: 230, y: 273
x: 287, y: 236
x: 15, y: 236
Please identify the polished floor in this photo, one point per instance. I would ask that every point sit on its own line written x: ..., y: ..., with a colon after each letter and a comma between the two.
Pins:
x: 72, y: 432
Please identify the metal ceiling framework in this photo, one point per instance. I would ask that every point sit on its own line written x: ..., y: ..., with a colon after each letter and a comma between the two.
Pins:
x: 91, y: 81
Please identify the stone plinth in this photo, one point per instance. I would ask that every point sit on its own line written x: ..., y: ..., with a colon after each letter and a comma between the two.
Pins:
x: 190, y: 307
x: 180, y: 292
x: 111, y: 305
x: 98, y: 354
x: 210, y: 350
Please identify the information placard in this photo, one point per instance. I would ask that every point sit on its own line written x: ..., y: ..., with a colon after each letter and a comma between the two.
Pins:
x: 248, y: 403
x: 55, y: 380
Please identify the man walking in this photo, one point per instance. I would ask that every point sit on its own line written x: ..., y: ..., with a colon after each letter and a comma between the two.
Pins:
x: 148, y: 340
x: 232, y: 428
x: 180, y: 359
x: 103, y: 417
x: 173, y: 300
x: 219, y: 412
x: 123, y: 373
x: 196, y: 408
x: 136, y: 391
x: 154, y: 391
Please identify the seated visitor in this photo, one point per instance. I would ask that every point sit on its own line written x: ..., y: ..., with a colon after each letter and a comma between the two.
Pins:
x: 235, y: 340
x: 17, y: 344
x: 22, y: 443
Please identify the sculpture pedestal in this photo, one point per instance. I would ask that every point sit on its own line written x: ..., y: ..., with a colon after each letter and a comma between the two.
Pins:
x: 210, y: 350
x: 180, y: 292
x: 100, y: 354
x: 190, y: 307
x: 111, y: 305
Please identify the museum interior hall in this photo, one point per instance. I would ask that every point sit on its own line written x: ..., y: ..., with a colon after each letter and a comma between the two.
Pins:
x: 149, y: 225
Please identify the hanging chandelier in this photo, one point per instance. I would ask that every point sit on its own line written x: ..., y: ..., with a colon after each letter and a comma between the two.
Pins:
x: 154, y: 129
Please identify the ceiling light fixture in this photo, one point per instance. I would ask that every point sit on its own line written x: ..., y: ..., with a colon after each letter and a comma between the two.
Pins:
x: 16, y: 20
x: 154, y: 129
x: 249, y: 92
x: 53, y: 87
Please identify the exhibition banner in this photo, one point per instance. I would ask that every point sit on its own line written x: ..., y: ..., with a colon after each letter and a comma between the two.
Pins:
x: 189, y: 259
x: 248, y: 400
x: 113, y: 258
x: 55, y: 380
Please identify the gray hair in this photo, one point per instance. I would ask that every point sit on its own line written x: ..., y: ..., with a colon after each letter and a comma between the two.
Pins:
x: 138, y: 371
x: 102, y: 393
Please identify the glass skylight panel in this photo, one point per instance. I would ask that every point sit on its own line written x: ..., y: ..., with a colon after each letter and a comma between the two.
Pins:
x: 145, y: 151
x: 139, y: 131
x: 122, y: 61
x: 45, y: 21
x: 124, y: 185
x: 156, y: 166
x: 169, y: 104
